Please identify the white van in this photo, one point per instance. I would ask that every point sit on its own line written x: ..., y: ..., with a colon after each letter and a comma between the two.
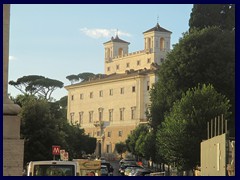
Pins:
x: 52, y: 168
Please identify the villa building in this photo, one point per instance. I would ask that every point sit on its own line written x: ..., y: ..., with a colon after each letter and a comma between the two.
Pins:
x: 110, y: 106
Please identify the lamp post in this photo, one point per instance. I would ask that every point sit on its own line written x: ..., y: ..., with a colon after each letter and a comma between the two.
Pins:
x: 100, y: 138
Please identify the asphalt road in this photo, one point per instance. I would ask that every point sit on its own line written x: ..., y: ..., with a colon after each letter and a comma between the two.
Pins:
x: 115, y: 167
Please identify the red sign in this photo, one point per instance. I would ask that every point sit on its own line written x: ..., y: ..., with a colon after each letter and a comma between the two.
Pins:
x: 56, y: 150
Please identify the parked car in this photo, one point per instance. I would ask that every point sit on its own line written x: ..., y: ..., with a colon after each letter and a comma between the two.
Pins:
x: 104, y: 170
x: 109, y: 166
x: 142, y: 172
x: 133, y: 170
x: 127, y: 161
x: 130, y: 169
x: 124, y: 166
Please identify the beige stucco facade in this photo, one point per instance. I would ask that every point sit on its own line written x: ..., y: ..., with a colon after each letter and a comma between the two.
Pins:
x: 109, y: 107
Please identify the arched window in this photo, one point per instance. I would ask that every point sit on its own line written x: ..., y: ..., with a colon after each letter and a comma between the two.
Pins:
x: 162, y: 44
x: 107, y: 53
x: 148, y: 43
x: 120, y: 52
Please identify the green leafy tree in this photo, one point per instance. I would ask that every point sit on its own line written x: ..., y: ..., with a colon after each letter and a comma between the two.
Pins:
x: 208, y: 15
x: 73, y: 78
x: 149, y: 148
x: 89, y: 144
x: 121, y: 148
x: 63, y: 101
x: 134, y: 141
x: 184, y: 128
x: 43, y: 125
x: 203, y: 56
x: 46, y: 86
x: 24, y: 84
x: 145, y: 145
x: 38, y: 130
x: 37, y: 85
x: 85, y: 76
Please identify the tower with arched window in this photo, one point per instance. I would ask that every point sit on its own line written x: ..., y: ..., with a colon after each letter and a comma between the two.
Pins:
x: 115, y: 48
x: 157, y: 40
x: 111, y: 106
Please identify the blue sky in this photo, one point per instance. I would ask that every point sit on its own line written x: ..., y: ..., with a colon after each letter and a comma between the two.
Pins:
x: 59, y: 40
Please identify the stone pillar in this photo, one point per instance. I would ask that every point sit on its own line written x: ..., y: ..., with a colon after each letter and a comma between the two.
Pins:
x: 13, y: 146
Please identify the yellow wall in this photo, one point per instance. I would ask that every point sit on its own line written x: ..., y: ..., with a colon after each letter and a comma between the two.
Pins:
x: 138, y: 75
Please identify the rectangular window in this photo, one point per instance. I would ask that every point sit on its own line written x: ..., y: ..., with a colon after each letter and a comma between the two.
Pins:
x: 110, y: 115
x: 133, y: 89
x: 80, y: 117
x: 91, y: 94
x: 109, y: 134
x: 101, y: 93
x: 120, y: 133
x: 98, y: 133
x: 117, y: 67
x: 81, y: 96
x: 138, y: 62
x: 108, y: 68
x: 127, y: 65
x: 133, y: 112
x: 90, y: 116
x: 71, y: 118
x: 100, y: 115
x: 122, y: 90
x: 111, y: 92
x: 148, y: 86
x: 109, y: 148
x: 148, y: 60
x: 121, y: 114
x: 72, y: 97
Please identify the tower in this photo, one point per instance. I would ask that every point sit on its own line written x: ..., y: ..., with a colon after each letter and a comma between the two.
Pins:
x: 157, y: 40
x: 116, y: 47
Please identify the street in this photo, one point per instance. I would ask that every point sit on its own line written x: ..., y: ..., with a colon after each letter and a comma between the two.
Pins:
x: 115, y: 167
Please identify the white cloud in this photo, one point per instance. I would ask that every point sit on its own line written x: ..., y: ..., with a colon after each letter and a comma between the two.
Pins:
x: 99, y: 33
x: 12, y: 58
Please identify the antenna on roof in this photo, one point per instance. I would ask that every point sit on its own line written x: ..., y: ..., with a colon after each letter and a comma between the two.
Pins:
x: 117, y: 33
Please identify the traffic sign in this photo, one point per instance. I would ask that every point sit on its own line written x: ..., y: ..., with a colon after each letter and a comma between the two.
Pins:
x: 62, y: 151
x: 65, y: 156
x: 55, y: 150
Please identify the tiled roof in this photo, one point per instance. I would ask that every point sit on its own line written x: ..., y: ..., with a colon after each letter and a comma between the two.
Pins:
x: 103, y: 78
x: 157, y: 28
x: 116, y: 39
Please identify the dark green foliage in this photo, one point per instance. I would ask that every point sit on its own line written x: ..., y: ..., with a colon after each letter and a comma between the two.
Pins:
x: 73, y: 78
x: 208, y: 15
x: 24, y: 84
x: 120, y: 148
x: 135, y: 140
x: 63, y: 102
x: 184, y: 128
x: 85, y: 76
x: 37, y: 85
x: 205, y: 56
x: 43, y: 124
